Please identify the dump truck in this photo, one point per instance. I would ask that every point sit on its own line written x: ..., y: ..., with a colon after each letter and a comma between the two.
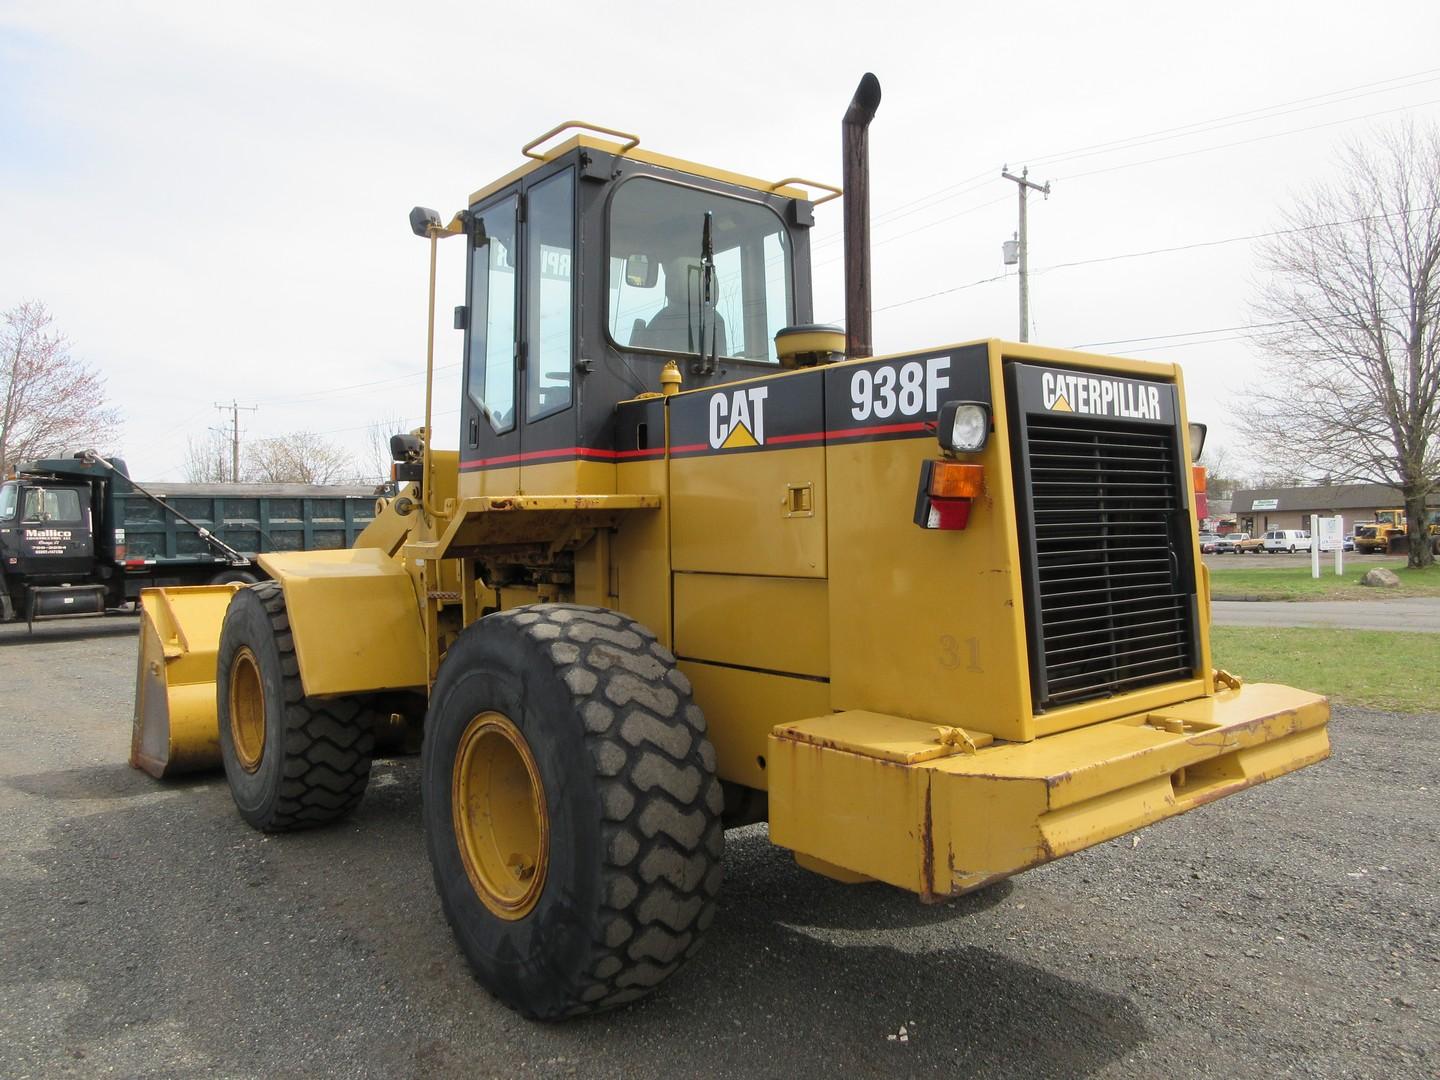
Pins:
x: 935, y: 616
x: 79, y: 537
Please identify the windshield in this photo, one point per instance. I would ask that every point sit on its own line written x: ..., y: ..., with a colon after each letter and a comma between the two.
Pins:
x: 9, y: 496
x: 656, y: 272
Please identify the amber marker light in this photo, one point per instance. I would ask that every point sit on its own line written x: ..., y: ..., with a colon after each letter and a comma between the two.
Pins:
x: 947, y: 491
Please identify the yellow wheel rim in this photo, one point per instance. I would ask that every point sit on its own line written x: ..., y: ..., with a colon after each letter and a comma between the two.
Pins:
x: 247, y: 710
x: 498, y: 809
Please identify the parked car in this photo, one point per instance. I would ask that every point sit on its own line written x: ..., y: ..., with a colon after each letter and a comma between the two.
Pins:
x: 1208, y: 540
x: 1349, y: 544
x: 1251, y: 545
x: 1229, y: 544
x: 1286, y: 540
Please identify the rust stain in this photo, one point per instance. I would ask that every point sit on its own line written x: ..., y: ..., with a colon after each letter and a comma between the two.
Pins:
x: 927, y: 851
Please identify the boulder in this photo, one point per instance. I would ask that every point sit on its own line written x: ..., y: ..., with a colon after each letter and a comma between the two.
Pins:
x: 1381, y: 577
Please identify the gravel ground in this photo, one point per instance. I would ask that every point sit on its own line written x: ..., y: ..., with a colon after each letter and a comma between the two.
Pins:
x: 1293, y: 930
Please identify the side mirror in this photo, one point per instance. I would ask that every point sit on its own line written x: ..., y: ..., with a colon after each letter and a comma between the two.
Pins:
x: 405, y: 448
x: 641, y: 272
x: 421, y: 218
x: 1197, y: 440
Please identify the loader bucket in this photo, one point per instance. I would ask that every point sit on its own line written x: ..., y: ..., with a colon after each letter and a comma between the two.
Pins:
x: 176, y: 729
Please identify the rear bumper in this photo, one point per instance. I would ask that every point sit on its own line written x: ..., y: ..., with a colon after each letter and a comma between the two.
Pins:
x: 883, y: 797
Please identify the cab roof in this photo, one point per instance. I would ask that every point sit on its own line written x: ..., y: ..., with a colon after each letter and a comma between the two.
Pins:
x: 630, y: 149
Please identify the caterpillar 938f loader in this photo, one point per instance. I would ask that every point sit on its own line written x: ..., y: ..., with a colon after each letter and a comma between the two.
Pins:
x: 937, y: 616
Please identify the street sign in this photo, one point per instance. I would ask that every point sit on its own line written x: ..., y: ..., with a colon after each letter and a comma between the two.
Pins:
x: 1327, y: 534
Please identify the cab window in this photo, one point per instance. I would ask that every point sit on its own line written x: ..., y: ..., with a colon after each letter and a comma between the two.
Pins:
x: 549, y: 251
x: 51, y: 504
x: 656, y: 274
x: 490, y: 366
x: 9, y: 499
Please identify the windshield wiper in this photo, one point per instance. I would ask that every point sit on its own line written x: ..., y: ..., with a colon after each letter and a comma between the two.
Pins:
x: 708, y: 357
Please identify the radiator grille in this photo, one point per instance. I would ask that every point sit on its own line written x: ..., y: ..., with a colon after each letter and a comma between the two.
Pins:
x: 1110, y: 588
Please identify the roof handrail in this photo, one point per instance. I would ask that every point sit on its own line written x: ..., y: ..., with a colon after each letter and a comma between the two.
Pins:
x: 631, y: 141
x: 834, y: 191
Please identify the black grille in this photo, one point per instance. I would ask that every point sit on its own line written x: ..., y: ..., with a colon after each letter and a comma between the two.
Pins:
x: 1110, y: 581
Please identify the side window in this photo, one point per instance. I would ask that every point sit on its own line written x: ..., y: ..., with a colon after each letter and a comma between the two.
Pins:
x: 9, y: 497
x: 51, y: 504
x: 549, y: 249
x: 490, y: 371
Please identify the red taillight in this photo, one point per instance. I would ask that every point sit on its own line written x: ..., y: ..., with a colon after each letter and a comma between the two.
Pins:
x: 1202, y: 500
x: 947, y: 490
x: 119, y: 552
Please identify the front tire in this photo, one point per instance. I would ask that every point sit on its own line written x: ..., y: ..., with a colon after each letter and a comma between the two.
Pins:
x: 572, y: 811
x: 292, y: 762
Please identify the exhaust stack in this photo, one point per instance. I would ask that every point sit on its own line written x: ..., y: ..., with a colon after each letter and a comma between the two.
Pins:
x: 855, y: 147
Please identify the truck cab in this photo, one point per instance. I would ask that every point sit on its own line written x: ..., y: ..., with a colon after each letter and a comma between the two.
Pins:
x: 47, y: 547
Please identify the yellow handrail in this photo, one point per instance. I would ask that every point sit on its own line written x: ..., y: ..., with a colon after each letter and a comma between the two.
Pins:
x: 835, y: 192
x: 528, y: 149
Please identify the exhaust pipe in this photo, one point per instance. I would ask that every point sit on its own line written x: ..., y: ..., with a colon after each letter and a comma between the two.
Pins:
x: 855, y: 147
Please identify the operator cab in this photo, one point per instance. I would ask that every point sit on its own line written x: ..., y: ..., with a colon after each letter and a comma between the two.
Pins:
x: 589, y: 270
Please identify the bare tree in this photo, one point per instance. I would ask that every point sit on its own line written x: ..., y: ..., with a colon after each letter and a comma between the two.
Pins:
x: 1353, y: 357
x: 297, y: 458
x: 50, y: 402
x: 207, y: 459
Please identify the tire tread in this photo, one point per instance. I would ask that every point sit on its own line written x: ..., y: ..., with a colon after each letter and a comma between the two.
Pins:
x: 328, y: 742
x: 655, y: 770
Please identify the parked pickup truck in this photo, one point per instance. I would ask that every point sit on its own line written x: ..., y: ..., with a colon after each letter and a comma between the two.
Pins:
x: 78, y: 536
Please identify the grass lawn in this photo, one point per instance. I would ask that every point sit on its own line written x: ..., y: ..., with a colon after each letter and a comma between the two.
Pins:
x: 1377, y: 668
x: 1295, y: 582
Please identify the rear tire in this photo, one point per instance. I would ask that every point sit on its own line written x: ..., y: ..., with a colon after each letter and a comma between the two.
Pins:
x: 604, y: 758
x: 292, y: 762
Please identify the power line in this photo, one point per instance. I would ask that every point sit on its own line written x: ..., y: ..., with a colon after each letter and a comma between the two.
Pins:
x: 1332, y: 97
x: 312, y: 395
x: 1248, y: 116
x: 1163, y: 251
x: 1247, y: 142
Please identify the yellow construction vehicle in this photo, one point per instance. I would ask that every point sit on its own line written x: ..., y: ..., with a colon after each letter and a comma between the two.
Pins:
x: 1389, y: 533
x: 936, y: 617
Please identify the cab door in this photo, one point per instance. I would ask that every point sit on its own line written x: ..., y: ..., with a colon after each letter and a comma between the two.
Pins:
x: 489, y: 421
x: 519, y: 412
x: 549, y: 434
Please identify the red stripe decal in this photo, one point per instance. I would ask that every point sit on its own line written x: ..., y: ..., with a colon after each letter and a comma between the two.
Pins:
x: 882, y: 429
x: 573, y: 452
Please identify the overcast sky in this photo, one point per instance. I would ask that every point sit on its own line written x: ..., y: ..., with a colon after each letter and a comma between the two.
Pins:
x: 212, y: 199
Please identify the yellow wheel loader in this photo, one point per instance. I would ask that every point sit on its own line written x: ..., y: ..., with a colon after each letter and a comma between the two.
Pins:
x: 936, y: 616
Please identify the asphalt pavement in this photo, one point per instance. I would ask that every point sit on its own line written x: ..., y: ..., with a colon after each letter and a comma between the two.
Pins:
x: 1417, y: 613
x: 145, y: 931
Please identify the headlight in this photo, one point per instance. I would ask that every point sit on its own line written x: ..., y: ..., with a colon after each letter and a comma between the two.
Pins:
x: 963, y: 426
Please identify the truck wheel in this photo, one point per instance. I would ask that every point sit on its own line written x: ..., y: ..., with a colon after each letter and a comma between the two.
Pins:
x: 571, y: 807
x: 292, y: 762
x: 225, y: 577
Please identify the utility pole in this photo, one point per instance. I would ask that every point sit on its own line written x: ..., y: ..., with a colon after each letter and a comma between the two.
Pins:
x: 235, y: 408
x: 1025, y: 186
